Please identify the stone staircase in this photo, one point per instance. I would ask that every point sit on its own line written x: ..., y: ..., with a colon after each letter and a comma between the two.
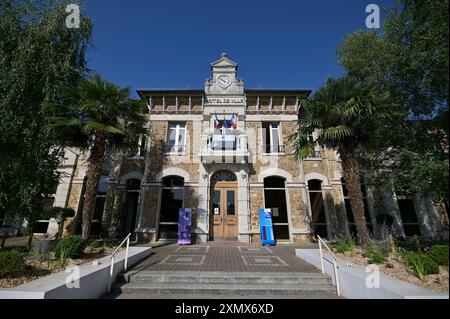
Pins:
x: 214, y: 285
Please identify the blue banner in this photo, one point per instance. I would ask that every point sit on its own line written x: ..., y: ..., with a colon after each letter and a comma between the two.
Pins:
x: 265, y: 226
x: 184, y: 226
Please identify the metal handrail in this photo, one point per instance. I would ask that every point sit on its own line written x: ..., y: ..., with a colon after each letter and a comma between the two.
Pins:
x: 112, y: 259
x: 334, y: 262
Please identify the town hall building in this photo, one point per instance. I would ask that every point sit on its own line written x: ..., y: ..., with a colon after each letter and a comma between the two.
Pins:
x: 224, y: 151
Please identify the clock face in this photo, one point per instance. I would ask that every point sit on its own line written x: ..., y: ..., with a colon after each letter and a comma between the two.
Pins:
x: 224, y: 81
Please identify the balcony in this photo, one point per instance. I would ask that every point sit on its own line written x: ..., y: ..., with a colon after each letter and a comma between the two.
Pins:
x: 229, y: 147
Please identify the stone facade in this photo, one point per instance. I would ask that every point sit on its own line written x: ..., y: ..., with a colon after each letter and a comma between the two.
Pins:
x: 181, y: 143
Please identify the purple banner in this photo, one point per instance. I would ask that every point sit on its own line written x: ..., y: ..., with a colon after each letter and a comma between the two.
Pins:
x: 184, y: 226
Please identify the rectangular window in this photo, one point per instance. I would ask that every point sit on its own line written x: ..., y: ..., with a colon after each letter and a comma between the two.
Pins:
x: 272, y: 138
x: 315, y: 153
x: 139, y: 148
x: 176, y: 138
x: 230, y: 203
x: 216, y: 202
x: 409, y: 216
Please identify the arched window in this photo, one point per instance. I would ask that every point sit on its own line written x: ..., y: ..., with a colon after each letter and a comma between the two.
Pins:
x: 171, y: 202
x: 133, y: 184
x: 275, y: 198
x: 223, y: 176
x: 319, y: 221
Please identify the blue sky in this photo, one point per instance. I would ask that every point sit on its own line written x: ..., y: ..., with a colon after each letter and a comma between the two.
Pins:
x: 169, y: 44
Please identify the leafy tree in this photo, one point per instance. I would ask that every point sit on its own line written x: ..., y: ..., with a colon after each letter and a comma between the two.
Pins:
x: 409, y: 58
x: 347, y: 115
x: 97, y: 116
x: 38, y: 57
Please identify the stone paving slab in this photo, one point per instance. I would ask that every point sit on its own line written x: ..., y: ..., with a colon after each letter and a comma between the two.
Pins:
x: 224, y: 257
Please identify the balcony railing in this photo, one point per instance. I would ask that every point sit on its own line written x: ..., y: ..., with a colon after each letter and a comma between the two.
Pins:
x: 232, y: 144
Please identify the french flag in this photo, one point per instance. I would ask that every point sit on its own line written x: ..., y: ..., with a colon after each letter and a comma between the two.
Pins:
x: 225, y: 124
x: 216, y: 123
x: 233, y: 122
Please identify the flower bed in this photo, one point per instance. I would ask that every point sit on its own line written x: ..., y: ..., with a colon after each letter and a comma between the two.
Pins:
x: 395, y: 267
x: 41, y: 266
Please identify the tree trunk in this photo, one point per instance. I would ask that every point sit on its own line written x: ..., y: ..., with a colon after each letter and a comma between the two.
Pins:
x: 351, y: 174
x: 30, y: 237
x: 94, y: 171
x: 2, y: 244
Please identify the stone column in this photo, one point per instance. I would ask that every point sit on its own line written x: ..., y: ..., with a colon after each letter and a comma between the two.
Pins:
x: 306, y: 204
x: 116, y: 163
x: 144, y: 183
x: 372, y: 211
x: 202, y: 229
x: 118, y: 198
x: 330, y: 212
x: 243, y: 207
x: 428, y: 217
x: 109, y: 204
x: 391, y: 206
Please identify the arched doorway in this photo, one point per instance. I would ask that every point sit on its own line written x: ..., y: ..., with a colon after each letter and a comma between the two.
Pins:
x: 172, y: 198
x: 224, y: 208
x: 129, y: 207
x: 275, y: 199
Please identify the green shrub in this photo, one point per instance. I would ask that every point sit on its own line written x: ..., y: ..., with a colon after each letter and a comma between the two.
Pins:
x: 70, y: 247
x: 376, y: 252
x: 431, y: 266
x: 11, y: 263
x: 421, y: 264
x: 416, y: 263
x: 95, y: 244
x: 50, y: 212
x: 346, y: 243
x: 439, y: 253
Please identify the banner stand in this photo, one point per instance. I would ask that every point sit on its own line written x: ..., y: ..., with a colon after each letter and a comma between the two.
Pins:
x: 184, y: 226
x: 266, y: 227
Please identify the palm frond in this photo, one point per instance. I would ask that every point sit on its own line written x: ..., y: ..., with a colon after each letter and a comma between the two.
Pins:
x: 92, y: 125
x: 337, y: 133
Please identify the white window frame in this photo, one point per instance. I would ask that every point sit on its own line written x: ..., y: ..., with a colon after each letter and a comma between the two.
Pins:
x: 316, y: 155
x: 271, y: 128
x: 178, y: 128
x: 140, y: 148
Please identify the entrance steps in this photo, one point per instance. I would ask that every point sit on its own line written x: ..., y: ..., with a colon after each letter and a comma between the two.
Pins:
x: 193, y: 284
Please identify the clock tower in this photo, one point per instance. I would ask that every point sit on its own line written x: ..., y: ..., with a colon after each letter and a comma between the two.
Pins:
x: 224, y: 92
x: 224, y: 80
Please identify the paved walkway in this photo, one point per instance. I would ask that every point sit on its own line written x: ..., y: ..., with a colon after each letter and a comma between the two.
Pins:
x: 224, y: 256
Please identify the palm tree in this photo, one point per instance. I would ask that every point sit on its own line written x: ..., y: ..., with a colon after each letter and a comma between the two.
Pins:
x: 97, y: 116
x: 347, y: 115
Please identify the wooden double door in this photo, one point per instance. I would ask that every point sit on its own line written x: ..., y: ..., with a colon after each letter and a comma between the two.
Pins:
x: 224, y: 214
